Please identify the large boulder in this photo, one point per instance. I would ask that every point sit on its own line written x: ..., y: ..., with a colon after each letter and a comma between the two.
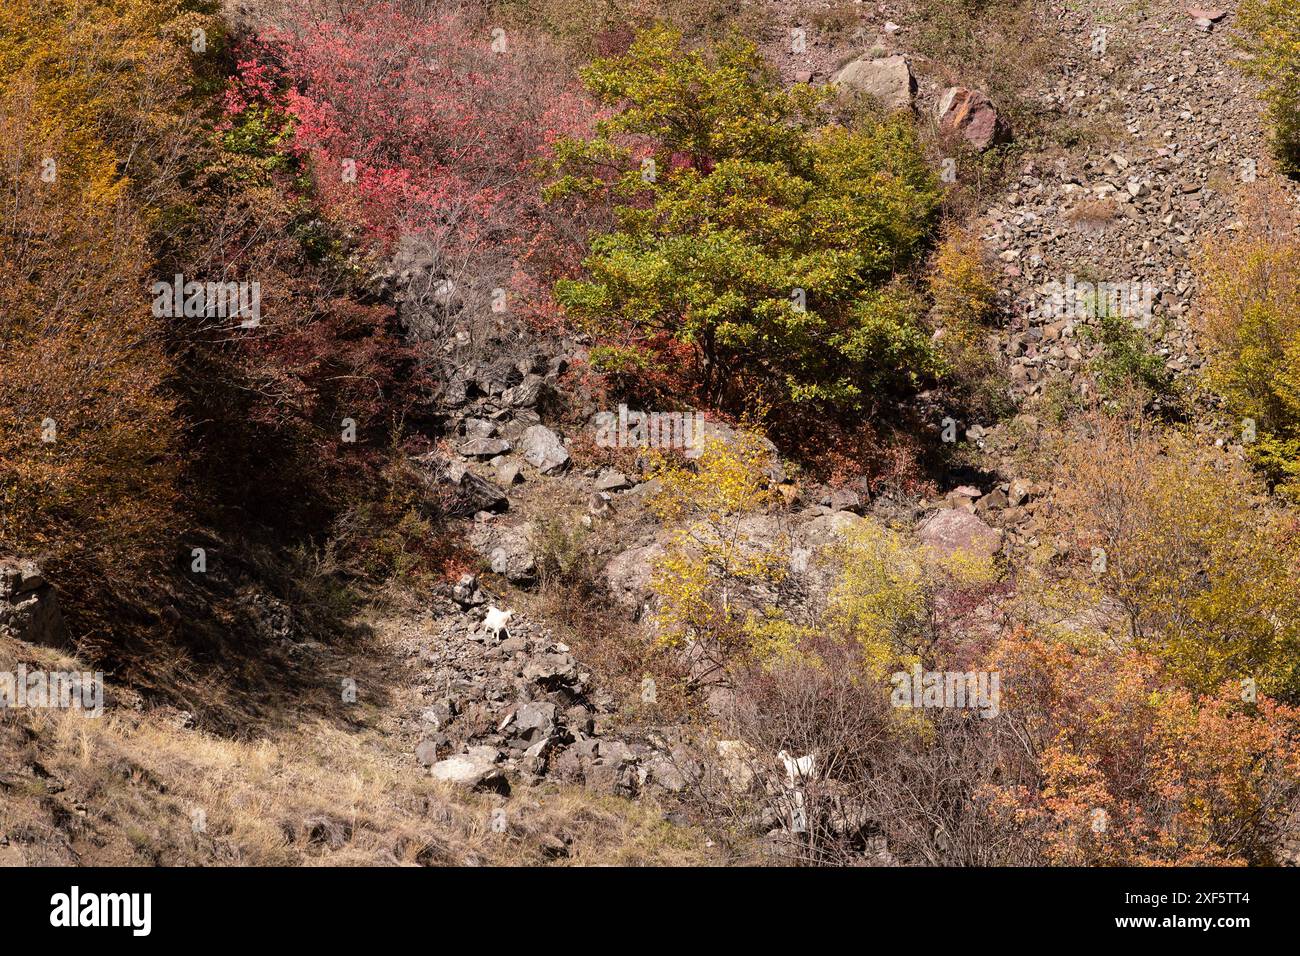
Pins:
x: 474, y: 494
x: 483, y: 447
x: 888, y: 80
x: 736, y: 762
x: 527, y: 393
x: 29, y: 609
x: 970, y: 114
x: 513, y: 559
x: 543, y: 449
x: 467, y: 493
x: 509, y: 550
x: 722, y: 432
x: 552, y: 671
x: 828, y: 529
x: 952, y: 531
x: 476, y: 769
x: 497, y: 377
x: 628, y: 574
x: 535, y: 720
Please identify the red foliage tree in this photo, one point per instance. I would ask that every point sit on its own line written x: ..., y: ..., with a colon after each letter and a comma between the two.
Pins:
x: 431, y: 127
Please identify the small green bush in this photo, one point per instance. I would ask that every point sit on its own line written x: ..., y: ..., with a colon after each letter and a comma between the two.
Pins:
x: 1126, y: 360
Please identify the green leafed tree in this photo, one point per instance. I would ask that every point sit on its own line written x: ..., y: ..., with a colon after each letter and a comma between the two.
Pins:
x: 749, y: 235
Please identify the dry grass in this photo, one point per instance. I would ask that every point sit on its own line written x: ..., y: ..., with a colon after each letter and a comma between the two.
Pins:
x: 1093, y: 212
x: 126, y: 789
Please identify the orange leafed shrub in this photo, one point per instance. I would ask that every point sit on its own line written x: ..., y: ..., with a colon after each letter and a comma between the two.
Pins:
x: 1133, y: 770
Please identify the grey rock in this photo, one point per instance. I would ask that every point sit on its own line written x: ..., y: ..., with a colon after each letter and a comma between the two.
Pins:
x: 29, y: 608
x: 612, y: 480
x: 827, y: 529
x: 535, y: 720
x: 466, y: 593
x: 476, y: 769
x: 426, y: 752
x: 543, y: 449
x: 628, y: 574
x: 483, y: 447
x: 510, y: 472
x: 844, y: 499
x: 672, y: 773
x: 736, y: 763
x: 551, y: 671
x: 479, y: 428
x: 888, y: 80
x: 514, y: 560
x: 474, y: 494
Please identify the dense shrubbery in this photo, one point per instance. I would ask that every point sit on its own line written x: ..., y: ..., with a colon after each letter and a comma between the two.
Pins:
x: 605, y: 27
x: 1197, y: 558
x: 1251, y: 325
x: 1272, y: 37
x: 121, y: 428
x: 965, y: 306
x: 429, y: 127
x: 729, y: 555
x: 1129, y: 743
x: 712, y: 561
x: 748, y: 230
x: 1096, y: 758
x: 272, y: 403
x: 91, y: 103
x: 1113, y: 763
x: 1126, y: 362
x: 747, y: 254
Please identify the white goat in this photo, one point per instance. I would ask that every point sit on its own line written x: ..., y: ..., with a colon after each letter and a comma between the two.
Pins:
x: 496, y: 620
x: 797, y: 768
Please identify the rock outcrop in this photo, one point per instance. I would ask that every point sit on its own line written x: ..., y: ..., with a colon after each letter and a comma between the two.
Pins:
x: 29, y: 608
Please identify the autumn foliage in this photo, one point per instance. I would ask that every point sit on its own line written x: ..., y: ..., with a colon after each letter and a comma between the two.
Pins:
x: 722, y: 240
x: 90, y: 445
x: 764, y: 239
x: 428, y: 126
x: 1130, y: 768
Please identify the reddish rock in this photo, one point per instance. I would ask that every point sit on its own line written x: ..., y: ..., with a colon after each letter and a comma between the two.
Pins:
x: 971, y: 114
x: 954, y: 530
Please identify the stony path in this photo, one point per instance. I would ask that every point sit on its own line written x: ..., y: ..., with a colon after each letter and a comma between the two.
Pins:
x: 495, y: 709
